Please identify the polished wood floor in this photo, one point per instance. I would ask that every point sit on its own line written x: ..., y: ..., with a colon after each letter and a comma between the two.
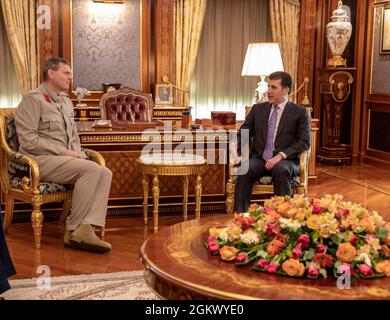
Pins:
x: 367, y: 184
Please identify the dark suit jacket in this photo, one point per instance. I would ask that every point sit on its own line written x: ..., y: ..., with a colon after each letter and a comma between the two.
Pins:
x: 292, y: 137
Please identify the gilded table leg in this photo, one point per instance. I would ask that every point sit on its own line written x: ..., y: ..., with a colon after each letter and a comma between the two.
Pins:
x: 185, y: 197
x: 8, y: 212
x: 36, y: 221
x: 198, y: 194
x: 156, y: 193
x: 145, y: 185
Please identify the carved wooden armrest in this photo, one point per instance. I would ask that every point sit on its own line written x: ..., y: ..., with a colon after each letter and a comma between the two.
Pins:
x: 95, y: 156
x: 29, y: 184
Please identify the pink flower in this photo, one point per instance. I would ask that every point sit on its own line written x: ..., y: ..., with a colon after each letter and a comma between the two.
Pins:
x: 213, y: 248
x: 365, y: 270
x: 321, y: 248
x: 242, y: 257
x: 267, y: 210
x: 247, y: 222
x: 263, y: 263
x: 303, y: 241
x: 269, y: 231
x: 296, y: 252
x: 272, y: 267
x: 312, y: 271
x: 344, y: 267
x: 211, y: 239
x: 316, y: 209
x: 345, y: 212
x: 353, y: 240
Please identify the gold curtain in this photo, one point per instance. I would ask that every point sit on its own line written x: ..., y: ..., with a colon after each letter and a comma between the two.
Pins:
x: 20, y: 21
x: 9, y: 90
x: 285, y: 31
x: 189, y: 17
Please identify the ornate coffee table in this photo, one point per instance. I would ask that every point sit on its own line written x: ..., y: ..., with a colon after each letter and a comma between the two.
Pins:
x: 177, y: 266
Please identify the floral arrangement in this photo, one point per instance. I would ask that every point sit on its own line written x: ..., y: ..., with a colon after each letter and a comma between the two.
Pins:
x: 303, y: 237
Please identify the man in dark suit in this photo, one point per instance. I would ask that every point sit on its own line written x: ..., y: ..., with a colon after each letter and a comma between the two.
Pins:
x: 281, y: 131
x: 6, y: 267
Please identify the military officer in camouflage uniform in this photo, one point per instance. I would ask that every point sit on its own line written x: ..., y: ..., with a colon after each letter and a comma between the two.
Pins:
x: 47, y: 133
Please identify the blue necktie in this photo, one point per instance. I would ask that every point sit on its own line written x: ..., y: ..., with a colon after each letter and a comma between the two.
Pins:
x: 269, y: 144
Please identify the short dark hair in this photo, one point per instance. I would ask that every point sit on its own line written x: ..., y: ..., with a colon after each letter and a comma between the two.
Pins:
x: 53, y: 64
x: 284, y: 76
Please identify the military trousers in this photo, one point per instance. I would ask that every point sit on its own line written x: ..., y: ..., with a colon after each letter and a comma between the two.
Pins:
x: 91, y: 190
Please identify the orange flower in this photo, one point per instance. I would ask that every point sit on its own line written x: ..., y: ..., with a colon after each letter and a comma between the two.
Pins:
x: 383, y: 267
x: 367, y: 224
x: 387, y: 240
x: 228, y: 253
x: 253, y: 207
x: 314, y: 222
x: 214, y: 231
x: 346, y: 252
x: 293, y: 267
x: 274, y: 247
x: 385, y: 250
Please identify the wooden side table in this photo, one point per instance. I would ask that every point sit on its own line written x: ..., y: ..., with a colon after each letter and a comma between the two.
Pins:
x: 169, y: 164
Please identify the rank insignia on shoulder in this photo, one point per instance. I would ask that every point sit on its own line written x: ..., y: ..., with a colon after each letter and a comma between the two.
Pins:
x: 47, y: 97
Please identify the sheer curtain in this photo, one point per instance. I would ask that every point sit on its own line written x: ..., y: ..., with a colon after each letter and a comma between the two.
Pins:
x: 10, y: 95
x: 229, y: 26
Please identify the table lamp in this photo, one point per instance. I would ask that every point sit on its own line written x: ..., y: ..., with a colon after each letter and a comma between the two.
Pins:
x: 262, y: 59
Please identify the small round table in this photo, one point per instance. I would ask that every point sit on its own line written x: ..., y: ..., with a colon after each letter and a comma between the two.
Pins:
x: 168, y: 164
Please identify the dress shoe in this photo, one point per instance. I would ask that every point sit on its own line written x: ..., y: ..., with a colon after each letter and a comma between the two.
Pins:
x: 67, y: 243
x: 85, y: 238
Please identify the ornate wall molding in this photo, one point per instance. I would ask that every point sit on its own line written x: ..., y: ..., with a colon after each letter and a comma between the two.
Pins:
x: 164, y: 23
x: 307, y: 47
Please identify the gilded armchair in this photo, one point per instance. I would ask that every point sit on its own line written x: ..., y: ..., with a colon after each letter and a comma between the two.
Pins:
x: 126, y: 104
x: 20, y: 179
x: 264, y: 185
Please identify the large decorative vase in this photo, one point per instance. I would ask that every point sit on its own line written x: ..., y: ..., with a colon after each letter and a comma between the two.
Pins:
x: 338, y: 33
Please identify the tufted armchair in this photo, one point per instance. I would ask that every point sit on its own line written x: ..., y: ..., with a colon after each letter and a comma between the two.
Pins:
x: 19, y: 176
x: 126, y: 104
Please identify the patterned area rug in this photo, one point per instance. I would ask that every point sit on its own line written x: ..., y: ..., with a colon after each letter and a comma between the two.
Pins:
x: 106, y: 286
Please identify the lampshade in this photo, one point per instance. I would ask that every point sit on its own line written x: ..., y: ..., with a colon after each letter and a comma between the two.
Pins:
x: 261, y: 59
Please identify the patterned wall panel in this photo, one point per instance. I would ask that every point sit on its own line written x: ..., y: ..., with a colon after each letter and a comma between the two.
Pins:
x: 106, y: 44
x: 380, y: 82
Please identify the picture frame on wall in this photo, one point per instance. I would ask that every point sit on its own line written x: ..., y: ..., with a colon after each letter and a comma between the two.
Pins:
x: 385, y: 32
x: 163, y: 94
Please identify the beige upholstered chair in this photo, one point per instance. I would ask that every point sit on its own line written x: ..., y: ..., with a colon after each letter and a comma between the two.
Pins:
x: 264, y: 185
x: 20, y: 179
x: 127, y: 104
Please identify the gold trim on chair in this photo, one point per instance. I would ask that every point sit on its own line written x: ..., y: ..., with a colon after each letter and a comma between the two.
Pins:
x: 259, y: 188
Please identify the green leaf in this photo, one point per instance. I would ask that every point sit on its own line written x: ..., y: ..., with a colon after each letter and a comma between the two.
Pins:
x: 323, y: 272
x: 382, y: 233
x: 262, y: 254
x: 309, y: 255
x: 336, y: 239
